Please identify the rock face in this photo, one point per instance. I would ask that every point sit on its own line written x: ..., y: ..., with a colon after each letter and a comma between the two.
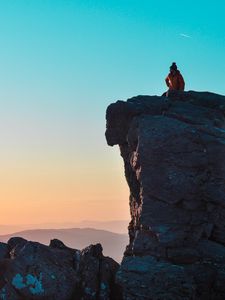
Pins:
x: 32, y: 271
x: 174, y: 156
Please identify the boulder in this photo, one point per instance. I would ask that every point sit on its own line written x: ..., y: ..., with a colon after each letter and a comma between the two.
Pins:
x: 34, y: 271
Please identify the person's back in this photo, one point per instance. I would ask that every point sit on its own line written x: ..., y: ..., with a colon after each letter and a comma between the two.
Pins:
x: 175, y: 80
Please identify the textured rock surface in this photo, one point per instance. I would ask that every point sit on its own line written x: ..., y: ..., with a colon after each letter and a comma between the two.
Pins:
x: 4, y: 250
x: 30, y: 270
x: 174, y: 157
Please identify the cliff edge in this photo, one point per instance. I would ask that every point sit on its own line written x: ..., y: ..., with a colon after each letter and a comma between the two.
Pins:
x: 174, y: 157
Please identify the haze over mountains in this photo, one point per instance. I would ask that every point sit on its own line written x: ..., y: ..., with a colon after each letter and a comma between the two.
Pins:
x: 113, y: 240
x: 117, y: 226
x: 113, y: 244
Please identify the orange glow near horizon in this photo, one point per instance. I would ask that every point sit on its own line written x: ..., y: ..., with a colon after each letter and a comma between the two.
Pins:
x: 60, y: 191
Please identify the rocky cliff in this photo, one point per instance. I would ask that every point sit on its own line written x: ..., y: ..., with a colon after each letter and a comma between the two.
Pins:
x: 174, y: 156
x: 32, y: 271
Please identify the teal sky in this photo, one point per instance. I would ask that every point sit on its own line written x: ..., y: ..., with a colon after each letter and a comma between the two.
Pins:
x: 62, y: 62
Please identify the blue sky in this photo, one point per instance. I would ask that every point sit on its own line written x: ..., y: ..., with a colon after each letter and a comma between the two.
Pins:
x: 62, y: 62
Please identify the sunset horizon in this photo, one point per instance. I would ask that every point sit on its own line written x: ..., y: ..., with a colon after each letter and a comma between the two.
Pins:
x: 62, y: 64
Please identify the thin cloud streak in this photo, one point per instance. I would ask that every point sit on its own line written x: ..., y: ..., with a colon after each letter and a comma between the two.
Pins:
x: 185, y: 35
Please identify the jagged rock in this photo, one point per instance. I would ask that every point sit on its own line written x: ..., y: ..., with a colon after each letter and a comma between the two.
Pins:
x: 39, y: 272
x: 55, y: 243
x: 4, y: 250
x: 98, y: 275
x: 15, y: 245
x: 173, y: 151
x: 56, y: 272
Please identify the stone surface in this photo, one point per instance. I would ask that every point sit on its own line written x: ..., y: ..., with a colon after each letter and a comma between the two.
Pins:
x: 147, y: 278
x: 98, y: 275
x: 174, y: 157
x: 4, y: 250
x: 34, y: 271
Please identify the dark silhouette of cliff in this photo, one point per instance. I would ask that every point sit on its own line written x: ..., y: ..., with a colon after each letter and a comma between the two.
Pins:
x: 174, y: 157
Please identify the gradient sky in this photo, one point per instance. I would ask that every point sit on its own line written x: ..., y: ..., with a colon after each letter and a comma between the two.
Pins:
x: 61, y: 63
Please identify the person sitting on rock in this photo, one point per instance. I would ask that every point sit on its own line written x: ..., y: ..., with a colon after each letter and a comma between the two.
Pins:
x: 175, y: 80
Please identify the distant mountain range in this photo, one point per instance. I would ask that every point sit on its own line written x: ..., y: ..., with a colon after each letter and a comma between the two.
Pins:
x: 113, y: 244
x: 117, y: 226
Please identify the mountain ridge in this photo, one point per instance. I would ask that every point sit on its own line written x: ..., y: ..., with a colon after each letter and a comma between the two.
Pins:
x: 117, y: 226
x: 113, y: 243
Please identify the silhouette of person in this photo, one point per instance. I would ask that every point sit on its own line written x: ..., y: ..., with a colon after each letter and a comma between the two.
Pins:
x: 175, y: 80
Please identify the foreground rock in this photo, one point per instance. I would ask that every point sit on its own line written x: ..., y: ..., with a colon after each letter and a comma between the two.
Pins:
x: 174, y: 157
x: 30, y: 270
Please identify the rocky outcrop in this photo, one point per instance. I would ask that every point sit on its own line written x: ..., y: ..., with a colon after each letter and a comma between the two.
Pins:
x: 174, y: 156
x: 30, y: 270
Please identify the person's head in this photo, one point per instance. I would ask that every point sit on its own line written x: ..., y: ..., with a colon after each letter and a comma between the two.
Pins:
x: 173, y: 68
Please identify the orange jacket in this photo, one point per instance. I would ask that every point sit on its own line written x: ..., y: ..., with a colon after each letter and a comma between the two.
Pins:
x: 175, y: 82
